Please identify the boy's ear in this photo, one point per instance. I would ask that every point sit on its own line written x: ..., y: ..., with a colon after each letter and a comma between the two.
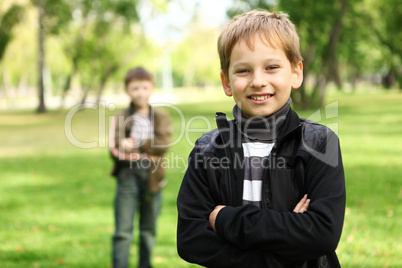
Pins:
x: 297, y: 75
x: 226, y: 85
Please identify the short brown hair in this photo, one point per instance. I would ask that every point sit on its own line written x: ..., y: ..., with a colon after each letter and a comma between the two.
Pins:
x: 138, y: 73
x: 276, y: 28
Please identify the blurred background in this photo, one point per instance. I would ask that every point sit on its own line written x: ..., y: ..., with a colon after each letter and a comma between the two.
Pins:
x: 62, y: 64
x: 59, y: 53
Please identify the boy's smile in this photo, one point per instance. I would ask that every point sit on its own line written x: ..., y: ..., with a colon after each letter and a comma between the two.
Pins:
x: 260, y: 79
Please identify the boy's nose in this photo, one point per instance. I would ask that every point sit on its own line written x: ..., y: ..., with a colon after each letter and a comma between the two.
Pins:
x: 258, y: 80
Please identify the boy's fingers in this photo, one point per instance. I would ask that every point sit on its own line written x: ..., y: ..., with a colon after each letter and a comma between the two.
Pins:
x: 212, y: 216
x: 301, y: 206
x: 296, y: 209
x: 305, y: 205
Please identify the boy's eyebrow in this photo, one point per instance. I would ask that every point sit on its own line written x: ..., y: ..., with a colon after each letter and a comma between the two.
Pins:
x: 245, y: 62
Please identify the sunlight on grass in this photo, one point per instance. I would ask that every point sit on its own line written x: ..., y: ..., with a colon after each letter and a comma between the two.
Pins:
x: 57, y: 199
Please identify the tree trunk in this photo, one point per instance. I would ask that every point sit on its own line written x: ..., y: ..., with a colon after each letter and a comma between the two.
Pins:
x: 299, y: 96
x: 75, y: 57
x: 41, y: 56
x: 332, y: 63
x: 84, y: 95
x: 103, y: 81
x: 100, y: 92
x: 319, y: 90
x: 66, y: 87
x: 322, y: 89
x: 353, y: 79
x: 308, y: 58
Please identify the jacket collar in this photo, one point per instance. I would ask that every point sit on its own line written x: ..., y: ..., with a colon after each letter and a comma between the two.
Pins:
x: 261, y: 128
x: 291, y: 124
x: 131, y: 109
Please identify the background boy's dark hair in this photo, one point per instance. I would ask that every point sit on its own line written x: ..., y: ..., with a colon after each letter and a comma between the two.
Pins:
x: 138, y: 73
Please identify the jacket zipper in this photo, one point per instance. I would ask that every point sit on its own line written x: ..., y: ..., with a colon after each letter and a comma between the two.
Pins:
x: 266, y: 199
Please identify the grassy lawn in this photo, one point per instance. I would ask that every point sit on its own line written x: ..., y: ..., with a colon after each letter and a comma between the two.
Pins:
x: 56, y: 198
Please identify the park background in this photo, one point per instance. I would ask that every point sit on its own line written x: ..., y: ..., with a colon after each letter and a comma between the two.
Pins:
x: 61, y: 69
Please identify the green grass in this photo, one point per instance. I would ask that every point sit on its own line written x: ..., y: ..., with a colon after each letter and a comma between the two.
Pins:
x: 56, y: 199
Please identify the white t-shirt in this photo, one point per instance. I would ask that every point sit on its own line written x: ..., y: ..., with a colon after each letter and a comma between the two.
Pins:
x: 141, y: 129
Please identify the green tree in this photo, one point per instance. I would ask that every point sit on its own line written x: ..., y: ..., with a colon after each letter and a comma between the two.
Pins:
x: 52, y: 15
x: 193, y: 62
x: 8, y: 20
x: 87, y: 27
x: 385, y: 20
x: 97, y: 52
x: 319, y: 26
x: 358, y: 54
x: 102, y: 38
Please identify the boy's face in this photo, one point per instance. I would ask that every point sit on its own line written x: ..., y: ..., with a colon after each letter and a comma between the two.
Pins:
x: 140, y: 91
x: 260, y: 80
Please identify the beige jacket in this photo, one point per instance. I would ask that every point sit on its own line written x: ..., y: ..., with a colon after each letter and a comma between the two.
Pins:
x: 152, y: 150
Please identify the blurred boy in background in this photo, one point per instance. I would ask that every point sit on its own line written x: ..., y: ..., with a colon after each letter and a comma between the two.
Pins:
x: 139, y: 137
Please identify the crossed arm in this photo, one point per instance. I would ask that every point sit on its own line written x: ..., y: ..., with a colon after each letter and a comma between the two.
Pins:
x: 299, y: 208
x: 247, y: 233
x: 266, y: 237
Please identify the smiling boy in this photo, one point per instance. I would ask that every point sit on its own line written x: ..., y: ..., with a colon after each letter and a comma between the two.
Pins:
x: 278, y: 199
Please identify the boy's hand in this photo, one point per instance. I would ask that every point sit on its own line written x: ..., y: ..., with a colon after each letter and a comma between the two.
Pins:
x: 212, y: 216
x: 300, y: 208
x: 128, y: 144
x: 302, y: 205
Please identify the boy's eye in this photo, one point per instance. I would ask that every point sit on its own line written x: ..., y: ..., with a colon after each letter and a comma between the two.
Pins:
x: 242, y: 71
x: 272, y: 67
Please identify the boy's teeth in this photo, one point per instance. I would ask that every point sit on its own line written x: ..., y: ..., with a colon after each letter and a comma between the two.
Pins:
x: 259, y: 97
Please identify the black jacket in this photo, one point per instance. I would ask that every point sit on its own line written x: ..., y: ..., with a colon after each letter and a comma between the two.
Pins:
x: 306, y: 159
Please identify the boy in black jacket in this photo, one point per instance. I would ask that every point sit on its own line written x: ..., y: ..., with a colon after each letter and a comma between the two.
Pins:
x: 267, y: 188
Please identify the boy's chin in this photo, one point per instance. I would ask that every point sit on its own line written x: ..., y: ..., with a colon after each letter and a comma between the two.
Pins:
x: 140, y: 104
x: 257, y: 113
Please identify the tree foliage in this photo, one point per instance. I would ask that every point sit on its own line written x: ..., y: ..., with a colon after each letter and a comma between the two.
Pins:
x: 89, y: 45
x: 52, y: 15
x: 195, y: 61
x: 385, y: 20
x: 338, y: 35
x: 90, y: 41
x: 7, y: 21
x: 88, y: 29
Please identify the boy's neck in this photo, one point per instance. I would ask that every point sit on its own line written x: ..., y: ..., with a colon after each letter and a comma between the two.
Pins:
x: 142, y: 109
x: 261, y: 128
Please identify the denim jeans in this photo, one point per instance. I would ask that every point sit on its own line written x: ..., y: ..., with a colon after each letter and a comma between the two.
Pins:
x: 133, y: 195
